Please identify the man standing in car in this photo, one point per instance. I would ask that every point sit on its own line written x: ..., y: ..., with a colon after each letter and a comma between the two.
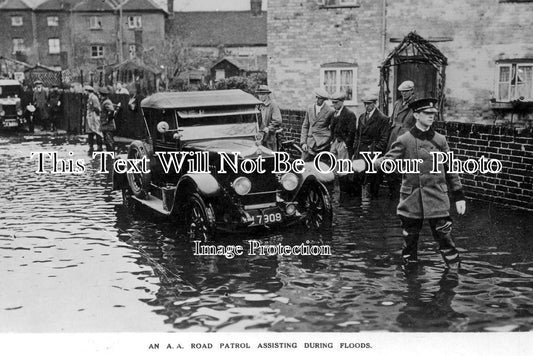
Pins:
x: 270, y: 117
x: 316, y: 134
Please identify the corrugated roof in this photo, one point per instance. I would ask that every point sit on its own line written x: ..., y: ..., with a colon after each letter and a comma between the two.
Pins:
x: 214, y: 28
x: 199, y: 99
x: 14, y: 5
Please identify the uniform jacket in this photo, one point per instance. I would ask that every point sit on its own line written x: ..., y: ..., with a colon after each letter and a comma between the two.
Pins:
x: 343, y: 128
x: 315, y: 128
x: 402, y: 120
x: 107, y: 117
x: 271, y: 119
x: 372, y: 133
x: 424, y: 195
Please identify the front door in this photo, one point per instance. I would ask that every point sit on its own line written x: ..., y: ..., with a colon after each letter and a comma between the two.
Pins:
x: 422, y: 73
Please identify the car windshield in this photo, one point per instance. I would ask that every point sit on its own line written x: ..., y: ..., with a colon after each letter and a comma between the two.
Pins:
x: 213, y: 124
x: 9, y: 91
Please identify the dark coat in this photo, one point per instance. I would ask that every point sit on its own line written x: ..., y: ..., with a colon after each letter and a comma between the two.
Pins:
x: 315, y: 128
x: 424, y: 195
x: 372, y: 133
x: 107, y: 117
x: 402, y: 120
x: 271, y: 119
x: 54, y: 99
x: 343, y: 128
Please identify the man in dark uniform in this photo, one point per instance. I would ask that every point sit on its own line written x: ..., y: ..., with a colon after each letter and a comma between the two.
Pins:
x: 424, y: 195
x: 401, y: 120
x: 342, y: 133
x: 316, y: 134
x: 371, y: 135
x: 54, y: 101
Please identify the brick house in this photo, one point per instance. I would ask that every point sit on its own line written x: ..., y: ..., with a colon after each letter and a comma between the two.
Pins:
x: 340, y: 44
x: 17, y: 28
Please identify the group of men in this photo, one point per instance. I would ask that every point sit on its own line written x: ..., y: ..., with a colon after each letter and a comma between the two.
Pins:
x: 408, y: 134
x: 100, y: 119
x: 48, y: 106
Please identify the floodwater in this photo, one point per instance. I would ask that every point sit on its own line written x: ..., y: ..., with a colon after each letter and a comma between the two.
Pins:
x: 74, y: 260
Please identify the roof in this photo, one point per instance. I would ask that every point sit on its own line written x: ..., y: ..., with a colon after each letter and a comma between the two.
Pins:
x: 9, y: 82
x: 92, y: 5
x: 142, y: 5
x: 38, y: 66
x: 14, y: 5
x: 250, y: 64
x: 199, y: 99
x: 134, y: 64
x: 229, y: 28
x: 56, y: 5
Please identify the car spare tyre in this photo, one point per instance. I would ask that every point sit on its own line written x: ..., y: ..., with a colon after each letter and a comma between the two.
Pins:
x: 139, y: 183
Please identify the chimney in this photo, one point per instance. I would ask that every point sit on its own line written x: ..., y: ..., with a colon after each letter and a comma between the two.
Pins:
x: 255, y: 7
x: 170, y: 8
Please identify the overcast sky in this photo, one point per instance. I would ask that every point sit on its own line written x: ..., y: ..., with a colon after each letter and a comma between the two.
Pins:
x: 195, y: 5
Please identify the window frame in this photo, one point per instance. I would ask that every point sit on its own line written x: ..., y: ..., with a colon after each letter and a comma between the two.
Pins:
x: 132, y: 50
x: 16, y: 23
x: 334, y: 4
x: 512, y: 92
x: 51, y: 46
x: 133, y: 23
x: 52, y: 21
x: 21, y: 44
x: 95, y: 23
x: 338, y: 67
x: 99, y: 48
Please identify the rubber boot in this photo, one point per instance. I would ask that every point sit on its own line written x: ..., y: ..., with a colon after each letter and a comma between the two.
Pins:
x: 442, y: 233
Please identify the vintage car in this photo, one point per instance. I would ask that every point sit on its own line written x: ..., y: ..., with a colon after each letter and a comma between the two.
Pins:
x: 11, y: 114
x: 217, y: 122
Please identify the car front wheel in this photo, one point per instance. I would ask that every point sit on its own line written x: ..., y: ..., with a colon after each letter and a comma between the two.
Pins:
x: 315, y: 202
x: 199, y: 219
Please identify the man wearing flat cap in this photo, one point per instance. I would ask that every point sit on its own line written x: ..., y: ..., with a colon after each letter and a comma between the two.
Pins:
x: 316, y: 134
x: 401, y: 120
x: 371, y: 135
x: 270, y: 117
x: 342, y: 133
x: 40, y: 100
x: 424, y: 195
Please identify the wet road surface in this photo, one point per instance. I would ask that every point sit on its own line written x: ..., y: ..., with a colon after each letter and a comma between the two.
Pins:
x: 73, y: 259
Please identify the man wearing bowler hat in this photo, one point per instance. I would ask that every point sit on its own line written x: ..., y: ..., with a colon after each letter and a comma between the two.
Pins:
x: 270, y: 117
x: 424, y: 194
x: 316, y: 135
x: 371, y: 135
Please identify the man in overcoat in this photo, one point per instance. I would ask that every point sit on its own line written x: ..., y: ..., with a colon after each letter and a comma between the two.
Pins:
x: 371, y: 135
x: 55, y: 102
x: 342, y: 134
x: 40, y: 100
x: 401, y: 120
x: 316, y: 134
x: 107, y: 119
x: 424, y: 195
x: 93, y: 127
x: 270, y: 117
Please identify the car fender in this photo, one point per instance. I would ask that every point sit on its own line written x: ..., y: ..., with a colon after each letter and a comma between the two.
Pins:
x: 205, y: 183
x: 310, y: 170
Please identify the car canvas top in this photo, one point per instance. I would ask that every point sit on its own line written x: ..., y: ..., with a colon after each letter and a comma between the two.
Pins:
x: 199, y: 99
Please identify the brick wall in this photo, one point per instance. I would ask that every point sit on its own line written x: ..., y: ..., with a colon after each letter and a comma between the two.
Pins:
x: 513, y: 186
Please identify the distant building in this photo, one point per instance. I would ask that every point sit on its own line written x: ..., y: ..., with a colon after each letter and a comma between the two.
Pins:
x: 17, y: 28
x: 341, y: 44
x: 228, y: 67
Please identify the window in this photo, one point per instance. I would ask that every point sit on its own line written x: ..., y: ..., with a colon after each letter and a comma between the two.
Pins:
x: 220, y: 74
x: 97, y: 51
x: 340, y: 77
x: 135, y: 22
x: 514, y: 80
x: 95, y: 23
x: 54, y: 46
x: 18, y: 45
x: 52, y: 21
x: 338, y: 3
x: 133, y: 51
x: 16, y: 20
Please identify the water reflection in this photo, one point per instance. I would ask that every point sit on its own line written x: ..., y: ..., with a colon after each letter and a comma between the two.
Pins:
x: 100, y: 267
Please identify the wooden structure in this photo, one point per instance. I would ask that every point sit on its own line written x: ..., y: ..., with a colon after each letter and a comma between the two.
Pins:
x: 418, y: 60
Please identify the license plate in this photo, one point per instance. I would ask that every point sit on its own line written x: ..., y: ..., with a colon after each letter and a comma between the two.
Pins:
x: 10, y: 123
x: 268, y: 216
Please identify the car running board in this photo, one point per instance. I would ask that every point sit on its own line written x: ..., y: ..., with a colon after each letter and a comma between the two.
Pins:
x: 153, y: 203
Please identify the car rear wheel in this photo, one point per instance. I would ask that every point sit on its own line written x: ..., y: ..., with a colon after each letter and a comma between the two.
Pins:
x: 138, y: 182
x: 199, y: 219
x: 316, y: 204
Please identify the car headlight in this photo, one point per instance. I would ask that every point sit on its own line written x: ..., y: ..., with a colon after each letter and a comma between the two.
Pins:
x: 242, y: 185
x: 289, y: 181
